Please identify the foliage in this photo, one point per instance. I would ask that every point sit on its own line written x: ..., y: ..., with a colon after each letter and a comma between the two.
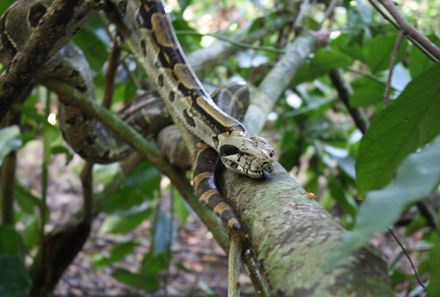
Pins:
x: 369, y: 182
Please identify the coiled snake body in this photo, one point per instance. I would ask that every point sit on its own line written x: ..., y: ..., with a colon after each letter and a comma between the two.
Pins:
x: 152, y: 39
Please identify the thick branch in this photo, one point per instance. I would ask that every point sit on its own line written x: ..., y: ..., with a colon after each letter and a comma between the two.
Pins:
x: 279, y: 78
x: 289, y: 233
x: 291, y: 236
x: 54, y: 31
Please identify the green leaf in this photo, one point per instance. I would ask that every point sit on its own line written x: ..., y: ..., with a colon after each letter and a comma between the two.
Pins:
x: 323, y: 61
x: 366, y: 91
x: 118, y: 253
x: 434, y: 269
x: 417, y: 177
x: 409, y: 123
x: 88, y: 39
x: 4, y: 4
x: 27, y: 201
x: 419, y: 61
x: 14, y: 280
x: 141, y: 185
x: 378, y: 52
x: 348, y: 45
x: 126, y: 221
x: 9, y: 141
x: 129, y: 278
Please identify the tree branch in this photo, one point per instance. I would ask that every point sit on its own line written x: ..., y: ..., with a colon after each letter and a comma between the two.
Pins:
x: 145, y: 148
x: 416, y: 37
x: 344, y: 91
x: 54, y: 31
x: 290, y: 234
x: 270, y: 89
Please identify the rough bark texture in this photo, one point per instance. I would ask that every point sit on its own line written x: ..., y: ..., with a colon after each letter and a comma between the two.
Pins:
x: 292, y: 237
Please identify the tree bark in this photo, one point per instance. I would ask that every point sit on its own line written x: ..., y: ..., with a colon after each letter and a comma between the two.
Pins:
x: 291, y: 237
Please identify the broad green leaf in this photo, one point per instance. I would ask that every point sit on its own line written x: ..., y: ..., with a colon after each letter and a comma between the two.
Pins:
x: 407, y: 124
x: 118, y: 253
x: 126, y: 221
x: 417, y: 177
x: 141, y: 185
x: 366, y: 91
x: 14, y: 280
x: 419, y: 61
x: 434, y: 269
x: 378, y: 52
x: 9, y: 141
x: 323, y: 61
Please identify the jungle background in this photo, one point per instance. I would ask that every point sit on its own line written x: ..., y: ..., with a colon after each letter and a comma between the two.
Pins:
x: 358, y: 125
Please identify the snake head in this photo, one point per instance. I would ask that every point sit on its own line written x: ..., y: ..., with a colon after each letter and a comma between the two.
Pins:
x: 251, y: 156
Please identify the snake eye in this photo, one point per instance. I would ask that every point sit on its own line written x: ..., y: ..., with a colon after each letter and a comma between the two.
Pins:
x: 227, y: 150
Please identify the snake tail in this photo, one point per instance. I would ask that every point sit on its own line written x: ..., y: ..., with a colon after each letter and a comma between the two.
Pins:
x: 206, y: 189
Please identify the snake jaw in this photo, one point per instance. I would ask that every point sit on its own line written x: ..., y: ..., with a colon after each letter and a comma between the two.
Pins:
x: 250, y: 156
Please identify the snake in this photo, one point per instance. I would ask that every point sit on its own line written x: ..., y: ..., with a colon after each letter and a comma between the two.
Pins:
x: 154, y: 43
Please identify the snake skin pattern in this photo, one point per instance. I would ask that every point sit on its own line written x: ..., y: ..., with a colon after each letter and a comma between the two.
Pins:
x: 155, y: 45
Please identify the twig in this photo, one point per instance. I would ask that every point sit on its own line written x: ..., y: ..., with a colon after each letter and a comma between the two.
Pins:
x: 416, y: 37
x: 44, y: 173
x: 328, y: 13
x: 234, y: 265
x: 429, y: 214
x: 344, y: 91
x: 394, y: 53
x: 7, y: 176
x: 110, y: 74
x: 258, y: 280
x: 50, y: 35
x: 231, y: 41
x: 132, y: 78
x: 302, y: 11
x: 413, y: 267
x: 87, y: 186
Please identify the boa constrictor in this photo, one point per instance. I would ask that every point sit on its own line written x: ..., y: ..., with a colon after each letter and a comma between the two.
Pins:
x: 155, y: 45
